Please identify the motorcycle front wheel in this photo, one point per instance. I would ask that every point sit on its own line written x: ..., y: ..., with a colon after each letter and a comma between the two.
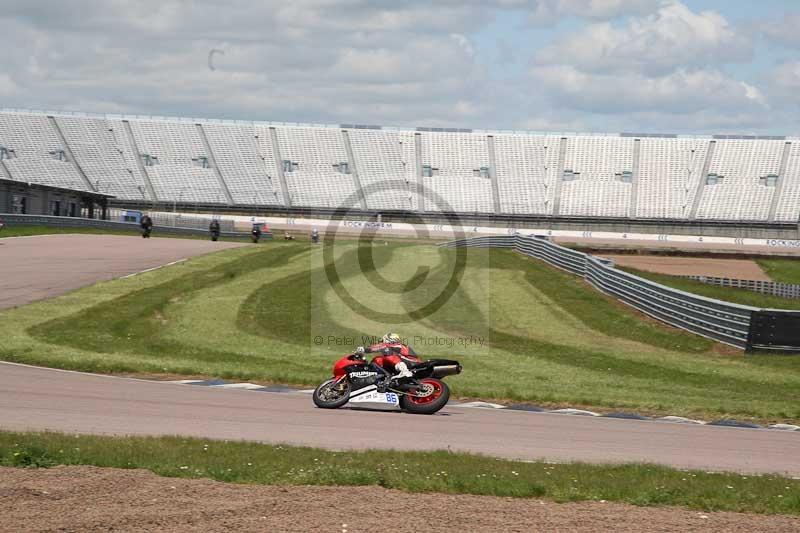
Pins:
x: 332, y: 394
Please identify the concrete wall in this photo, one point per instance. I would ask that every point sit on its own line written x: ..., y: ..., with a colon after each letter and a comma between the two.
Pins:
x: 37, y: 199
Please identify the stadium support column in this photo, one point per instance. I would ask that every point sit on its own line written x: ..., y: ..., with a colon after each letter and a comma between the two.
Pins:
x: 276, y: 153
x: 562, y: 156
x: 70, y: 155
x: 634, y: 199
x: 776, y: 195
x: 493, y: 173
x: 353, y: 168
x: 420, y: 178
x: 4, y: 172
x: 212, y: 160
x: 701, y: 182
x: 138, y: 156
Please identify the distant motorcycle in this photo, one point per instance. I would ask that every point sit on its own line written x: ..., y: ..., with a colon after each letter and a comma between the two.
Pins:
x: 360, y: 383
x: 215, y: 231
x: 255, y: 234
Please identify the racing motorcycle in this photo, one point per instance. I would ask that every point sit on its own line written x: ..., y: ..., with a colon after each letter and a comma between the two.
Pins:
x: 365, y: 384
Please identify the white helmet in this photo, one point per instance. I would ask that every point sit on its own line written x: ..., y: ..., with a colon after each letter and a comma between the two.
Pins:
x: 391, y: 338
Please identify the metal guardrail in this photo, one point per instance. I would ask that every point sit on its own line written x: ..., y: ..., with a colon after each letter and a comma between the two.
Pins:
x: 76, y: 222
x: 722, y: 321
x: 773, y: 288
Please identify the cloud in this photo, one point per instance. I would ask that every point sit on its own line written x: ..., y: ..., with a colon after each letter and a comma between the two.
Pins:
x: 549, y: 11
x: 416, y: 62
x: 782, y: 30
x: 655, y: 44
x: 682, y: 91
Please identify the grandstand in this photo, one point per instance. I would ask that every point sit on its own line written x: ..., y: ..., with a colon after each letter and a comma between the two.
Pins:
x: 238, y: 164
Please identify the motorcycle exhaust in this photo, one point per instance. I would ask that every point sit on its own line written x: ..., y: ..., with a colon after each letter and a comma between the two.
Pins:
x: 446, y: 370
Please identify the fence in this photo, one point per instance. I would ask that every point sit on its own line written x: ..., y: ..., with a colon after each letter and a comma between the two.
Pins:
x: 782, y: 290
x: 75, y: 222
x: 722, y: 321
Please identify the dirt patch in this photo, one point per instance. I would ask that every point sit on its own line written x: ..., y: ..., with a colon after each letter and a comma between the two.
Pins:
x: 94, y: 499
x: 693, y: 266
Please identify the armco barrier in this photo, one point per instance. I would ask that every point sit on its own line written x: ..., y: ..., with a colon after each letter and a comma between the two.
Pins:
x: 75, y: 222
x: 726, y: 322
x: 773, y: 288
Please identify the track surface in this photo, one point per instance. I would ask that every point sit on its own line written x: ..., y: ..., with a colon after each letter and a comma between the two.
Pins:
x: 35, y: 268
x: 44, y: 399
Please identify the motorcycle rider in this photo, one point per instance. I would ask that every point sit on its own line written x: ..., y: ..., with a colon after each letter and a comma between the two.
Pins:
x: 214, y: 228
x: 395, y: 357
x: 146, y: 224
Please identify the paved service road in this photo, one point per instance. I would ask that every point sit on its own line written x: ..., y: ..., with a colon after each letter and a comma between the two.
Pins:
x: 44, y: 399
x: 35, y: 268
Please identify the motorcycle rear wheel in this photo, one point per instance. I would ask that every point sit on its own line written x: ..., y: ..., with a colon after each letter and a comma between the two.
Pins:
x: 427, y: 405
x: 322, y: 395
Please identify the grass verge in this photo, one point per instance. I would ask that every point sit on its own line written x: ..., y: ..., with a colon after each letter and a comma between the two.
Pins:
x: 251, y: 313
x: 726, y: 294
x: 782, y: 270
x: 444, y: 472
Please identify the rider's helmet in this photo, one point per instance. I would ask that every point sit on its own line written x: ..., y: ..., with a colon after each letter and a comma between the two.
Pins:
x: 391, y: 338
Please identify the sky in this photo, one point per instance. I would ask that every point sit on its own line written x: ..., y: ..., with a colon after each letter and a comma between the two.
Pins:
x: 657, y: 66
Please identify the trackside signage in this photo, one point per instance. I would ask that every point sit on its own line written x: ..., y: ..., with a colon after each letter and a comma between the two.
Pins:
x: 444, y: 230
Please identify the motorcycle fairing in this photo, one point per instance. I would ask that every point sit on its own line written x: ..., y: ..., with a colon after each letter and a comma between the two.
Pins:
x: 369, y: 397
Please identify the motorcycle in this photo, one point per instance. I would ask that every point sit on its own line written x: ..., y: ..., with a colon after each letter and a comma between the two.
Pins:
x: 363, y: 384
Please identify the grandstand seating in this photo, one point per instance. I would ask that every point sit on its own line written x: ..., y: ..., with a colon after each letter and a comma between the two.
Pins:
x: 740, y: 195
x: 385, y: 164
x: 527, y: 171
x: 454, y: 160
x: 34, y: 146
x: 597, y: 189
x: 96, y: 146
x: 669, y: 171
x: 788, y: 209
x: 314, y: 180
x: 248, y: 169
x: 430, y: 169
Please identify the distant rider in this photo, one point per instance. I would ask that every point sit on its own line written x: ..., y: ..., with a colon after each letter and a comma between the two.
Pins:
x: 395, y: 357
x: 146, y: 224
x: 214, y: 229
x: 314, y: 235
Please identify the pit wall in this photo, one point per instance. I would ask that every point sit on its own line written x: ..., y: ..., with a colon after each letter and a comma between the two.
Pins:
x: 449, y: 231
x: 744, y: 327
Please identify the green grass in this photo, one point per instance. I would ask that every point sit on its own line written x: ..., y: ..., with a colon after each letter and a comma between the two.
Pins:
x: 782, y: 270
x: 252, y: 314
x: 727, y: 294
x: 443, y: 472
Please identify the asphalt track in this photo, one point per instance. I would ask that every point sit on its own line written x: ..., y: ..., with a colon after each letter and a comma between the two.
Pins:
x: 35, y: 268
x: 44, y: 399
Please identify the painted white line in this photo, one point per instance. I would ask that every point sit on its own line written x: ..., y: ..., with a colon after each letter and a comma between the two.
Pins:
x: 578, y: 412
x: 785, y: 427
x: 480, y: 405
x: 187, y: 381
x: 154, y: 268
x: 679, y: 420
x: 246, y: 386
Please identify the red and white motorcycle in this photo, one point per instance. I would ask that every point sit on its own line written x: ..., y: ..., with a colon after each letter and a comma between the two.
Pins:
x: 365, y: 384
